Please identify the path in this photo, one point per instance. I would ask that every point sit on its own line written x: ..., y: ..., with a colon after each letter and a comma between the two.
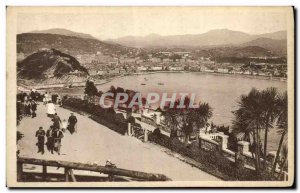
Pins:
x: 95, y: 143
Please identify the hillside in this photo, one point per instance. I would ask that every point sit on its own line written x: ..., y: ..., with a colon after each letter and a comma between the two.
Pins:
x: 28, y: 43
x: 277, y: 46
x: 239, y: 52
x: 279, y: 35
x: 48, y: 63
x: 65, y: 32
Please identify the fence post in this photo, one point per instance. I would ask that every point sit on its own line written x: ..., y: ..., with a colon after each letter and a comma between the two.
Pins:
x: 200, y: 140
x: 19, y: 171
x: 67, y: 179
x: 129, y: 129
x: 224, y: 141
x: 145, y: 135
x: 219, y: 151
x: 44, y: 172
x: 239, y: 157
x: 72, y: 175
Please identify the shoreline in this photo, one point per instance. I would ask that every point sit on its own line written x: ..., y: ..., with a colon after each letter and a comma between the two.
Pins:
x: 105, y: 81
x: 217, y: 74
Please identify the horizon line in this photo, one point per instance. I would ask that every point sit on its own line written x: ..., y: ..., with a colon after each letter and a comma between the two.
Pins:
x: 152, y: 33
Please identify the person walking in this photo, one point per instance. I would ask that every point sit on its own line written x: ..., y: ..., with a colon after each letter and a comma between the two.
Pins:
x: 51, y: 110
x: 57, y: 136
x: 20, y: 97
x: 56, y: 121
x: 44, y: 100
x: 72, y: 123
x: 64, y: 125
x: 27, y: 108
x: 54, y: 98
x: 50, y: 140
x: 59, y: 101
x: 26, y: 98
x: 32, y: 95
x: 40, y: 134
x: 48, y: 97
x: 33, y: 108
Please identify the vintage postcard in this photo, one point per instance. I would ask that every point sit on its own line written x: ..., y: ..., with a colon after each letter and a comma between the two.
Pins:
x: 150, y: 96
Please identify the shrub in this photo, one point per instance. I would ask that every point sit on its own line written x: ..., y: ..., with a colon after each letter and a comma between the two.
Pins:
x: 211, y: 162
x: 106, y: 117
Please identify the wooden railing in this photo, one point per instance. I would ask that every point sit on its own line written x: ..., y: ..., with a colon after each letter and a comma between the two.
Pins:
x: 70, y: 166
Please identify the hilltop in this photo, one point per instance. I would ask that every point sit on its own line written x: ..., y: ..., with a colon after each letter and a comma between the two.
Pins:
x: 61, y: 31
x: 49, y: 64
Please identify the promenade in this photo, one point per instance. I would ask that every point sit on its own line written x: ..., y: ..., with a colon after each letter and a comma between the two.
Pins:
x: 94, y: 143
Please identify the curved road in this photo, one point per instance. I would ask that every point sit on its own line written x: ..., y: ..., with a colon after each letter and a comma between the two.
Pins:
x: 95, y: 143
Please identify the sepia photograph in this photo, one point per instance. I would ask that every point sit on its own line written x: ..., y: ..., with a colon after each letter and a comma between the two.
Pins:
x: 150, y: 96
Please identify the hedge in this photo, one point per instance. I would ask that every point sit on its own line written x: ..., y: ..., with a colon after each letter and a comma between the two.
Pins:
x: 106, y: 117
x: 211, y: 162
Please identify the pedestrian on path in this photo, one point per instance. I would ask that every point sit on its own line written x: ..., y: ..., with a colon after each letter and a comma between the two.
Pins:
x: 50, y: 140
x: 27, y: 108
x: 56, y: 121
x: 64, y: 125
x: 44, y: 100
x: 32, y: 95
x: 51, y: 109
x: 72, y: 123
x: 59, y: 100
x: 40, y: 134
x: 33, y: 108
x: 57, y: 136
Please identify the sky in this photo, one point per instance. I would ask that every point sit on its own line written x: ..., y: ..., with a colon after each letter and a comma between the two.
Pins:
x: 115, y: 22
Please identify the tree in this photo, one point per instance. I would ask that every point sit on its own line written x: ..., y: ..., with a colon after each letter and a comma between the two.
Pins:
x: 186, y: 124
x: 113, y: 90
x: 269, y: 107
x: 249, y: 119
x: 200, y: 116
x: 187, y: 119
x: 258, y: 111
x: 90, y: 88
x: 284, y: 153
x: 171, y: 119
x: 282, y: 123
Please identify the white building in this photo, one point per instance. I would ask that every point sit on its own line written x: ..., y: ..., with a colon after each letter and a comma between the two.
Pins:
x: 208, y: 70
x: 222, y: 70
x: 141, y: 68
x: 247, y: 72
x: 156, y: 68
x: 176, y: 68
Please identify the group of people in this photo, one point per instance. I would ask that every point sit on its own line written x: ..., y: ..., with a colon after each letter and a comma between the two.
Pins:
x: 54, y: 136
x: 56, y: 131
x: 26, y: 104
x: 54, y: 98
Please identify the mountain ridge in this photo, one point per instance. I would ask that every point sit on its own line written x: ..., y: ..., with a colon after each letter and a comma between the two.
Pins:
x: 29, y: 43
x: 217, y: 37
